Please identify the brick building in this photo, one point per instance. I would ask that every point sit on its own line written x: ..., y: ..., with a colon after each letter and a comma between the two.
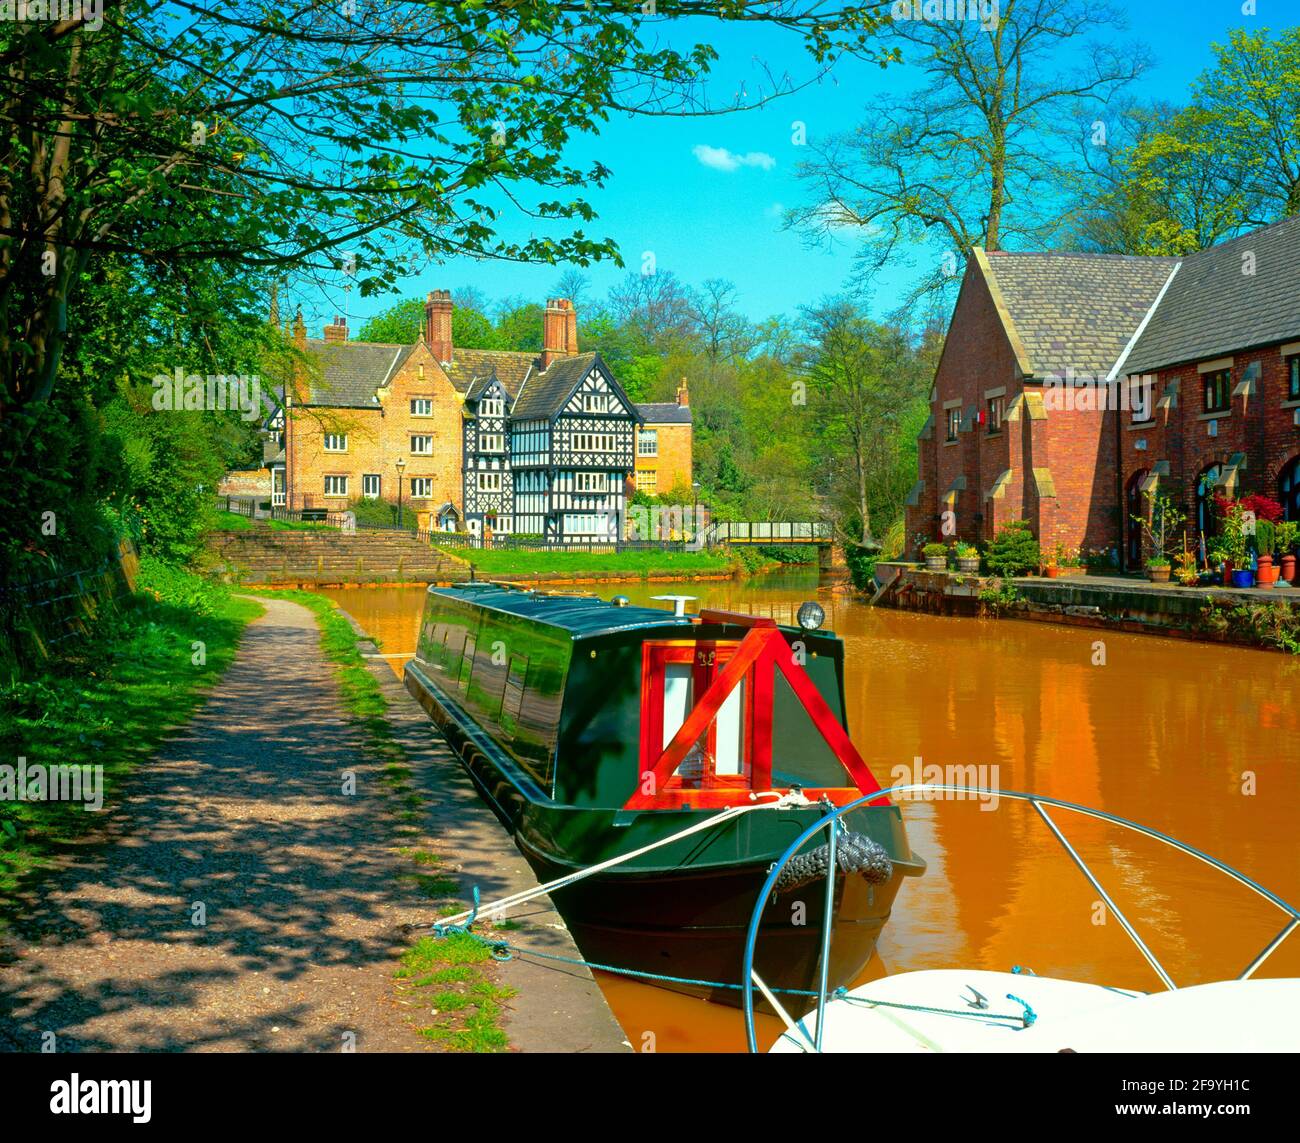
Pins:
x: 664, y: 445
x: 480, y: 439
x: 1070, y: 384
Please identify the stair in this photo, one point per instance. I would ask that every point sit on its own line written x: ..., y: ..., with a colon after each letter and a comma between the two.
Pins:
x: 274, y: 556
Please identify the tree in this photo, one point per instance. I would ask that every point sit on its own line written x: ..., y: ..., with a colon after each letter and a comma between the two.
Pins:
x: 864, y: 386
x: 341, y: 142
x: 973, y: 158
x: 657, y: 308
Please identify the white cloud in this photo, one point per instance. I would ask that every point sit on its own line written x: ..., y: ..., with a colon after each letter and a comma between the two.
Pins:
x: 721, y: 159
x: 776, y: 210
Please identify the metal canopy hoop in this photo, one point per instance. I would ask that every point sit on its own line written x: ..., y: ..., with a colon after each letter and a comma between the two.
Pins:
x: 833, y: 815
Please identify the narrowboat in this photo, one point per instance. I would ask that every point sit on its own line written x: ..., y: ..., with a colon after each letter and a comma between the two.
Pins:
x: 595, y: 729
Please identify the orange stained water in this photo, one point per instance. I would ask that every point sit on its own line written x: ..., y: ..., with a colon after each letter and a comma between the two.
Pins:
x: 1196, y: 741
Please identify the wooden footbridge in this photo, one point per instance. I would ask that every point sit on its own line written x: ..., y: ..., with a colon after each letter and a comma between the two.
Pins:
x: 777, y: 533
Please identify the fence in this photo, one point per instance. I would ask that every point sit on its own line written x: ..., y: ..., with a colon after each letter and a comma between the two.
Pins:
x: 767, y: 532
x: 39, y: 614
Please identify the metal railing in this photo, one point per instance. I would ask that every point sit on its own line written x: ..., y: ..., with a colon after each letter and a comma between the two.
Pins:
x: 767, y: 532
x: 751, y: 980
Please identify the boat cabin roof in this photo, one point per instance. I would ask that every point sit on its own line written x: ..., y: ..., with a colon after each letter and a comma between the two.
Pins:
x: 581, y: 616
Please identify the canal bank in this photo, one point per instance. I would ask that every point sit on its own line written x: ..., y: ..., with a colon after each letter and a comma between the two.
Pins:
x: 1247, y: 617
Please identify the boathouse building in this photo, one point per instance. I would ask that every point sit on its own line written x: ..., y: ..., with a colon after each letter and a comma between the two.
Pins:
x: 1070, y: 384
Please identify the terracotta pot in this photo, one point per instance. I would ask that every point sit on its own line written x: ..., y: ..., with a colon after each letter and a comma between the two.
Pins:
x: 1159, y: 575
x: 1268, y: 571
x: 1288, y: 568
x: 1051, y: 571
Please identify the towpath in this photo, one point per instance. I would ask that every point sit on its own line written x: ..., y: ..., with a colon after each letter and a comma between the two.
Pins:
x: 241, y: 823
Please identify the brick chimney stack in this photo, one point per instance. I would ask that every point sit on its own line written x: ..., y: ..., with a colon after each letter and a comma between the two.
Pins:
x: 300, y: 388
x: 437, y: 324
x: 338, y: 331
x: 683, y: 395
x: 559, y: 330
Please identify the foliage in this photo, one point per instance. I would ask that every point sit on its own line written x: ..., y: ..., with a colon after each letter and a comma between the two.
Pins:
x: 1265, y: 537
x: 1274, y: 624
x: 997, y: 596
x: 934, y: 551
x: 638, y: 564
x: 111, y: 697
x: 1013, y: 551
x: 1158, y: 525
x: 862, y: 565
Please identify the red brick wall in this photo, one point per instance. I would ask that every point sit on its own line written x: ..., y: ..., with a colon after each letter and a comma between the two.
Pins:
x: 1260, y: 426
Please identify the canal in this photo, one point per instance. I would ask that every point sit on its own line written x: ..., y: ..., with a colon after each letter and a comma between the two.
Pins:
x: 1197, y: 741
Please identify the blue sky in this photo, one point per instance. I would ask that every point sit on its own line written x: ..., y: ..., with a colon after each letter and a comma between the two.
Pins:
x: 701, y: 221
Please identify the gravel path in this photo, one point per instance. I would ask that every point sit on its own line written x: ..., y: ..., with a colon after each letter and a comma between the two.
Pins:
x: 242, y: 814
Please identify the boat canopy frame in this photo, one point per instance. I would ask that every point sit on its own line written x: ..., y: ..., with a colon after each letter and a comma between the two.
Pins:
x: 831, y: 823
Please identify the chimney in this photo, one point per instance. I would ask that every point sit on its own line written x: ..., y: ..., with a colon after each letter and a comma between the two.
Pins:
x: 338, y: 331
x: 683, y: 395
x: 437, y: 324
x: 559, y: 330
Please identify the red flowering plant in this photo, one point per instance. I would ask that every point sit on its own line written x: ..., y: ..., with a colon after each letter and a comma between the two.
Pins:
x: 1264, y: 507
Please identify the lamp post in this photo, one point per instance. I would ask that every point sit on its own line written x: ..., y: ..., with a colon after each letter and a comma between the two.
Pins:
x: 401, y: 466
x: 695, y: 512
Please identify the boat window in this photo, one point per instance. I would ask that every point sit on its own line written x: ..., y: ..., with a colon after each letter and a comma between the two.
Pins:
x: 467, y: 663
x: 800, y: 755
x: 514, y: 696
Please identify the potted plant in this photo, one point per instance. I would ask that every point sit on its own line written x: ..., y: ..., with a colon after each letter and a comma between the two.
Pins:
x: 936, y: 557
x: 1266, y: 572
x: 1158, y: 569
x: 1158, y: 524
x: 1067, y: 559
x: 968, y: 558
x: 1236, y: 546
x: 1185, y: 568
x: 1286, y: 533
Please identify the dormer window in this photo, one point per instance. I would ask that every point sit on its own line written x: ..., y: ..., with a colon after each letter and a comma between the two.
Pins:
x: 595, y: 403
x: 492, y: 407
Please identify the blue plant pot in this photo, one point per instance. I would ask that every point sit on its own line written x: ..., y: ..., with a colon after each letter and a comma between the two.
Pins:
x: 1243, y: 579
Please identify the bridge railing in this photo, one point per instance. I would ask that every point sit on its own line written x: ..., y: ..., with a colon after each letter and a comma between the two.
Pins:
x: 767, y: 532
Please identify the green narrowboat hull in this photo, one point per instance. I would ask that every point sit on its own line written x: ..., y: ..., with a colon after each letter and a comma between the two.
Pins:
x: 682, y: 911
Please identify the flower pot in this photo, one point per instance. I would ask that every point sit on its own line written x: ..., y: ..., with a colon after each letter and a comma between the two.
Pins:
x: 936, y: 563
x: 1288, y: 568
x: 1051, y: 571
x: 1243, y: 578
x: 1159, y: 575
x: 1227, y: 573
x: 1267, y: 572
x: 968, y: 564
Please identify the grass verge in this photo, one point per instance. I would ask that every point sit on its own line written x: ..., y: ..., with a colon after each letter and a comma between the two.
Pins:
x: 109, y: 700
x: 447, y: 978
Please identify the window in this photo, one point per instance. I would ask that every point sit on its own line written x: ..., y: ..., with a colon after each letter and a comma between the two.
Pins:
x: 595, y: 403
x: 277, y: 488
x: 1217, y: 390
x: 647, y: 442
x: 489, y: 482
x: 491, y: 407
x: 491, y: 442
x: 1293, y: 378
x: 370, y: 486
x: 422, y: 445
x: 336, y: 442
x: 421, y: 487
x: 995, y: 415
x: 422, y: 406
x: 590, y: 524
x: 336, y: 486
x: 647, y: 480
x: 590, y: 482
x: 954, y: 423
x: 593, y: 442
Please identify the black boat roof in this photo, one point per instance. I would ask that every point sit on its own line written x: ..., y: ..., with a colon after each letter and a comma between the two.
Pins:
x: 582, y: 616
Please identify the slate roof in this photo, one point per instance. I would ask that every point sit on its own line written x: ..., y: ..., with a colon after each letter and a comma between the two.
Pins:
x: 474, y: 367
x: 347, y: 374
x: 1076, y: 310
x: 1212, y: 309
x: 546, y: 392
x: 665, y: 413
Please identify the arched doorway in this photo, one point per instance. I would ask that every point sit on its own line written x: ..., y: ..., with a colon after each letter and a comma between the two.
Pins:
x: 1134, y: 509
x: 1288, y: 489
x: 1207, y: 523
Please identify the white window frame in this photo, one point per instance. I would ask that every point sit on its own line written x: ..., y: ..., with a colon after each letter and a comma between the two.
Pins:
x: 492, y: 407
x: 593, y: 442
x: 591, y: 482
x: 647, y: 480
x: 416, y: 482
x: 489, y: 482
x: 335, y: 479
x: 595, y: 402
x: 326, y: 438
x: 491, y: 442
x: 421, y: 411
x: 366, y: 479
x: 416, y: 450
x: 647, y: 442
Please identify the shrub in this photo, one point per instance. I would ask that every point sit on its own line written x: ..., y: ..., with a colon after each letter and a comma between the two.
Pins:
x: 932, y: 550
x: 1013, y: 550
x: 862, y: 565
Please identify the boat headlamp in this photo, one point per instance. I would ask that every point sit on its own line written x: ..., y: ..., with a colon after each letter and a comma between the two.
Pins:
x: 811, y: 615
